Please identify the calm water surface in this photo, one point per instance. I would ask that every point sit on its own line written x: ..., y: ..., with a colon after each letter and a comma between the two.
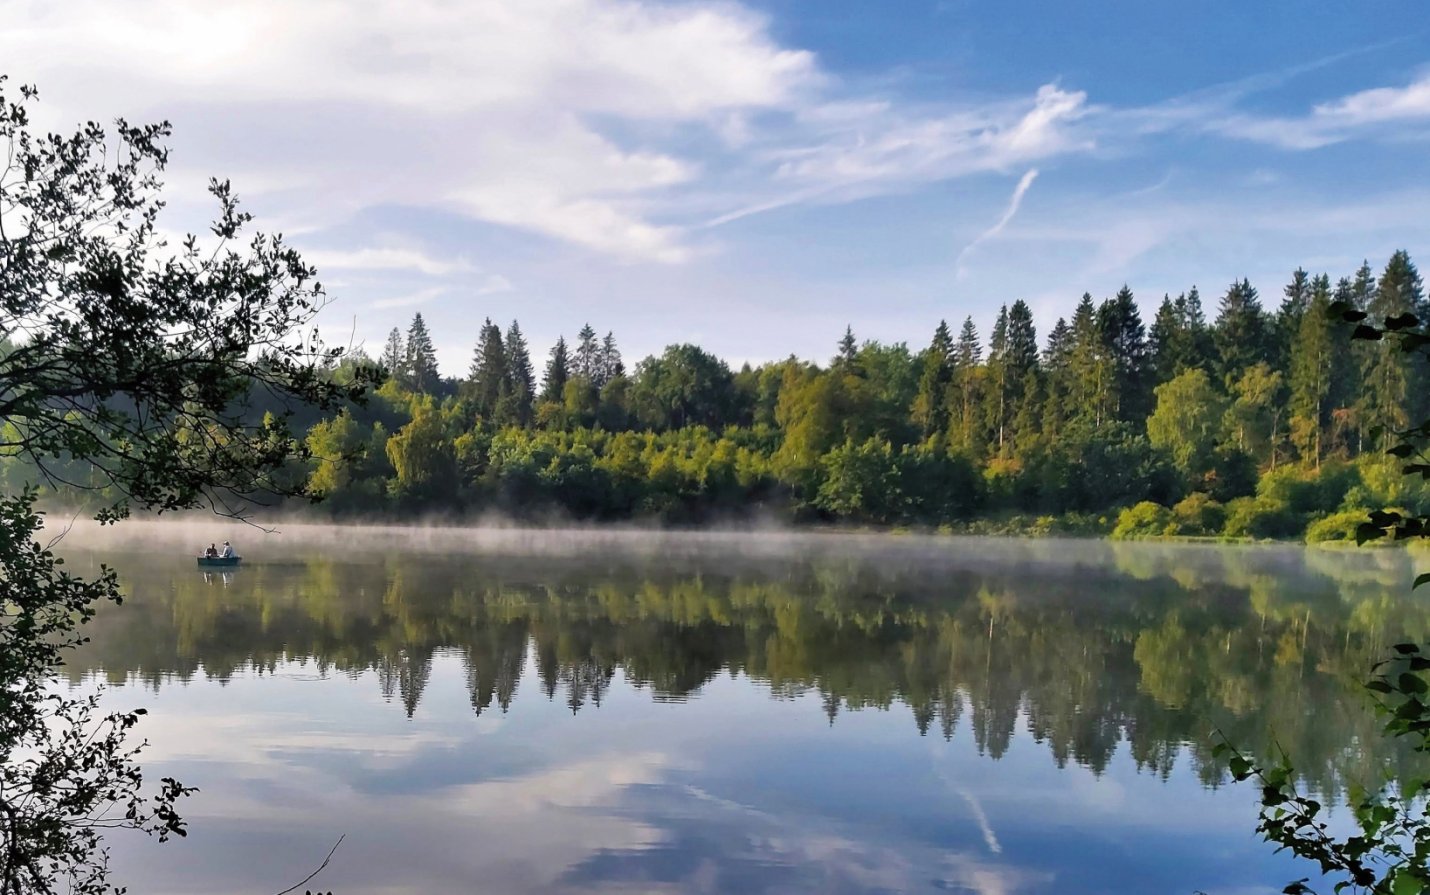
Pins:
x: 521, y: 713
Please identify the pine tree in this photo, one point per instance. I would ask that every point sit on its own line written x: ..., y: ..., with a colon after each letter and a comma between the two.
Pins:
x: 1313, y: 370
x: 520, y: 376
x: 587, y: 363
x: 1240, y: 334
x: 420, y: 361
x: 491, y: 380
x: 394, y: 356
x: 929, y: 412
x: 1394, y: 381
x: 558, y: 371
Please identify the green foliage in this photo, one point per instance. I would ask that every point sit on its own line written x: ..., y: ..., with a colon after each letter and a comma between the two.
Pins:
x: 1144, y: 520
x: 1341, y: 526
x: 1261, y: 518
x: 136, y: 377
x: 1198, y: 514
x: 1390, y: 852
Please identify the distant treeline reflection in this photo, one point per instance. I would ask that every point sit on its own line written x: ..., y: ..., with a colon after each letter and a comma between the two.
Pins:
x: 1118, y: 643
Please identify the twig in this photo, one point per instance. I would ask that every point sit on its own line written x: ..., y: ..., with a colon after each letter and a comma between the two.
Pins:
x: 321, y: 866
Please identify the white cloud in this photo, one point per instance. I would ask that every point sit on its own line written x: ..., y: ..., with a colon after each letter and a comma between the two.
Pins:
x: 1367, y: 112
x: 383, y: 259
x: 489, y: 108
x: 420, y: 297
x: 1014, y: 203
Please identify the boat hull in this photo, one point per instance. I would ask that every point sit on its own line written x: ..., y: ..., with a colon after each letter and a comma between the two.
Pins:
x: 210, y: 562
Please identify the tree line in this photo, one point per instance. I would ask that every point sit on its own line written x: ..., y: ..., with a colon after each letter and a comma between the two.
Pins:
x: 1244, y: 420
x: 1267, y: 419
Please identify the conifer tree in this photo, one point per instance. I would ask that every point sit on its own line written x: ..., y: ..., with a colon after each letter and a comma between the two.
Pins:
x: 610, y: 364
x: 964, y: 387
x: 1313, y: 370
x: 421, y: 358
x: 996, y: 396
x: 558, y: 371
x: 929, y: 410
x: 394, y: 356
x: 1294, y: 304
x: 1393, y: 380
x: 1162, y: 337
x: 491, y: 380
x: 521, y: 377
x: 1240, y: 334
x: 1090, y: 374
x: 848, y: 356
x: 587, y: 362
x: 1125, y: 341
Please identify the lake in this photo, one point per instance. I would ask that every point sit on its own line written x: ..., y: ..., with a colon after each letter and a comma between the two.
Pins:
x: 619, y: 712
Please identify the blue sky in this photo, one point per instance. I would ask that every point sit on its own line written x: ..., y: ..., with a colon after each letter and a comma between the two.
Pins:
x: 754, y: 176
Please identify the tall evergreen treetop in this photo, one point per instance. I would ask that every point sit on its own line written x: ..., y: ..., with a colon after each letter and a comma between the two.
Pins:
x: 610, y: 363
x: 929, y: 411
x: 587, y: 362
x: 421, y: 357
x: 558, y: 371
x: 394, y: 356
x: 491, y: 381
x: 969, y: 351
x: 1241, y: 332
x: 520, y: 375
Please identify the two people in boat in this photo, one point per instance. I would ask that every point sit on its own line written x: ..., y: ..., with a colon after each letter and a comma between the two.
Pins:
x: 213, y: 552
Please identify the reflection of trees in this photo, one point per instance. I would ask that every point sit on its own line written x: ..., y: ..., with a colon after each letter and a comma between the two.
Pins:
x: 1146, y: 649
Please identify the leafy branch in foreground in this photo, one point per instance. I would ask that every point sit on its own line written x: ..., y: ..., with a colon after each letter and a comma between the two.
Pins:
x: 161, y: 380
x: 1390, y: 852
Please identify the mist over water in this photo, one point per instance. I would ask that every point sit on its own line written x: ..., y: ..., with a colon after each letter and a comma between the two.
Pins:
x: 517, y: 710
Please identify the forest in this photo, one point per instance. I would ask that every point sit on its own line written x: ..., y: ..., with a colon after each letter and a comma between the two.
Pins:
x: 1246, y: 420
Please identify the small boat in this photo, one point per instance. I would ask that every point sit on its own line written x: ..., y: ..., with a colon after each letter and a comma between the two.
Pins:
x: 209, y: 562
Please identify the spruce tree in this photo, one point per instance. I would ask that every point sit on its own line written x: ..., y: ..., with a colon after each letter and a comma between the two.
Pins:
x: 929, y: 411
x: 558, y: 371
x: 1090, y: 374
x: 1313, y: 370
x: 848, y: 356
x: 1294, y: 304
x: 491, y: 380
x: 394, y: 356
x: 610, y: 364
x: 587, y: 363
x: 420, y: 357
x: 964, y: 387
x: 521, y: 377
x: 1394, y: 381
x: 1163, y: 336
x: 1240, y: 334
x: 996, y: 409
x: 1125, y: 343
x: 1057, y: 358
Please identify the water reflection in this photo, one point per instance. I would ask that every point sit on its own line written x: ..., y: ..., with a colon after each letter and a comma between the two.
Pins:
x: 515, y: 700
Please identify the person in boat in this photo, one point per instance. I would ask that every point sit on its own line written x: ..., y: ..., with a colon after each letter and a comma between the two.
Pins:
x: 211, y: 552
x: 227, y: 551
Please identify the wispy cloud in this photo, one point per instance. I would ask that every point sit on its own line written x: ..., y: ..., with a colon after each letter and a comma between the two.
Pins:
x: 420, y: 297
x: 1014, y: 203
x: 384, y: 259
